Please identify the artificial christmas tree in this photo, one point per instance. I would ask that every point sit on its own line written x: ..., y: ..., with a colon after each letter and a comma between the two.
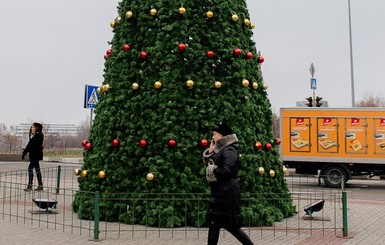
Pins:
x: 173, y: 70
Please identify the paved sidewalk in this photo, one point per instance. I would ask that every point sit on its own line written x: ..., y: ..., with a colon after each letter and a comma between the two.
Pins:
x: 366, y: 225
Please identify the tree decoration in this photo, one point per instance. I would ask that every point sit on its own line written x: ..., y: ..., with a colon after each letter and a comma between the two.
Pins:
x: 158, y: 85
x: 153, y: 12
x: 210, y: 54
x: 249, y: 55
x: 255, y: 85
x: 182, y: 47
x: 204, y: 142
x: 113, y: 24
x: 115, y: 143
x: 252, y: 25
x: 84, y: 142
x: 84, y: 173
x: 143, y: 55
x: 102, y: 174
x: 278, y: 141
x: 237, y: 52
x: 129, y: 14
x: 272, y: 173
x: 265, y: 86
x: 106, y: 56
x: 260, y: 59
x: 143, y: 143
x: 77, y: 172
x: 209, y: 14
x: 126, y: 47
x: 217, y: 84
x: 135, y: 86
x: 150, y: 176
x: 190, y: 83
x: 99, y: 90
x: 261, y: 170
x: 234, y: 17
x: 268, y: 146
x: 285, y: 170
x: 105, y: 88
x: 88, y: 146
x: 182, y: 10
x: 246, y: 22
x: 258, y: 145
x: 109, y: 51
x: 245, y: 83
x: 171, y: 143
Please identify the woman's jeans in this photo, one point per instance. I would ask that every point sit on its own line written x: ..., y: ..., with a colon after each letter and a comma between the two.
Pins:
x: 238, y: 233
x: 34, y: 164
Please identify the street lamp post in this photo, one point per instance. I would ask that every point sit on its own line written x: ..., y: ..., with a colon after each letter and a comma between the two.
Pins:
x: 351, y: 58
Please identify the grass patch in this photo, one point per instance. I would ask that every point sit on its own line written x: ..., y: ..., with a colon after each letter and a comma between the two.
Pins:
x: 65, y: 153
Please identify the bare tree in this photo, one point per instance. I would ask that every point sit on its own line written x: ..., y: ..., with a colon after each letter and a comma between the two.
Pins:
x: 276, y: 124
x: 9, y: 138
x: 371, y: 100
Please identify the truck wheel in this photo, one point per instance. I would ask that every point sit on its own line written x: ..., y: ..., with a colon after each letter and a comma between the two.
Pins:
x: 332, y: 176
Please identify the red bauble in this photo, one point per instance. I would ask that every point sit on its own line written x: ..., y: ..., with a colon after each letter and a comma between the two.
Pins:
x: 84, y: 142
x: 249, y: 55
x: 258, y: 145
x: 115, y: 143
x: 126, y: 47
x: 182, y: 47
x: 210, y: 54
x: 204, y: 142
x: 268, y: 146
x: 237, y: 52
x: 278, y: 140
x: 106, y: 56
x: 143, y: 55
x: 109, y: 51
x: 261, y: 59
x: 143, y: 143
x: 171, y: 143
x: 88, y: 146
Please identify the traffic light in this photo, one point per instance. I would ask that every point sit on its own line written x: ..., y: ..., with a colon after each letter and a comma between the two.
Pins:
x: 318, y: 101
x: 310, y: 99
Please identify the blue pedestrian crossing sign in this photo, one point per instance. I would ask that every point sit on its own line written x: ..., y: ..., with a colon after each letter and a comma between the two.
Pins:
x: 313, y: 83
x: 91, y: 97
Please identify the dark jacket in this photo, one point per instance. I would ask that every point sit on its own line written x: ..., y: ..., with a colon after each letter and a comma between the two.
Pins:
x: 35, y: 147
x: 225, y: 192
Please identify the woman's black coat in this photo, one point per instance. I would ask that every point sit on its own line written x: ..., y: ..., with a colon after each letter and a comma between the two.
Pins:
x: 35, y: 147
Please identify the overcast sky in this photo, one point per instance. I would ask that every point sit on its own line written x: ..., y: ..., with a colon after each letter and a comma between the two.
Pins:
x: 50, y: 49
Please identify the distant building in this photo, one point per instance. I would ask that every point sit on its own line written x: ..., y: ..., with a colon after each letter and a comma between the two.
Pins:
x: 60, y: 129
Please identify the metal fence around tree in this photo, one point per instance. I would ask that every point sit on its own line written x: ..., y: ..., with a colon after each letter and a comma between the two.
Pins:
x: 60, y: 187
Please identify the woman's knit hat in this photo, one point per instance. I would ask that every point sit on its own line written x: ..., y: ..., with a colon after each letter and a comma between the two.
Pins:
x: 223, y: 128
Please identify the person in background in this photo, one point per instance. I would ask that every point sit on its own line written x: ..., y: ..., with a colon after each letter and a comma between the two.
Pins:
x: 35, y: 150
x: 222, y: 159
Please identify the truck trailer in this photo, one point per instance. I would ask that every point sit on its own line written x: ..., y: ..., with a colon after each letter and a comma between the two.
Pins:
x: 334, y: 143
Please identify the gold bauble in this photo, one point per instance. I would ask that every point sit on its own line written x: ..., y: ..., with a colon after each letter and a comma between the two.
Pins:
x: 246, y: 22
x: 261, y: 170
x: 113, y: 24
x: 98, y: 90
x: 84, y: 173
x: 255, y: 85
x: 209, y: 14
x: 272, y: 173
x: 150, y: 176
x: 234, y: 17
x: 118, y: 19
x: 182, y: 10
x: 77, y: 172
x: 105, y: 87
x: 129, y: 14
x: 217, y: 84
x: 101, y: 174
x: 252, y: 25
x: 135, y: 86
x: 265, y: 86
x: 190, y: 83
x: 157, y: 84
x: 285, y: 170
x: 245, y: 83
x: 153, y: 12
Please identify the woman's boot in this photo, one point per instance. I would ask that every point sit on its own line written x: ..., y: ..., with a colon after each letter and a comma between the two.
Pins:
x: 28, y: 188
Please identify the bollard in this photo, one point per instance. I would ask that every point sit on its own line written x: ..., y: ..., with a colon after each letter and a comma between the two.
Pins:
x: 345, y: 214
x: 58, y: 179
x: 96, y: 216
